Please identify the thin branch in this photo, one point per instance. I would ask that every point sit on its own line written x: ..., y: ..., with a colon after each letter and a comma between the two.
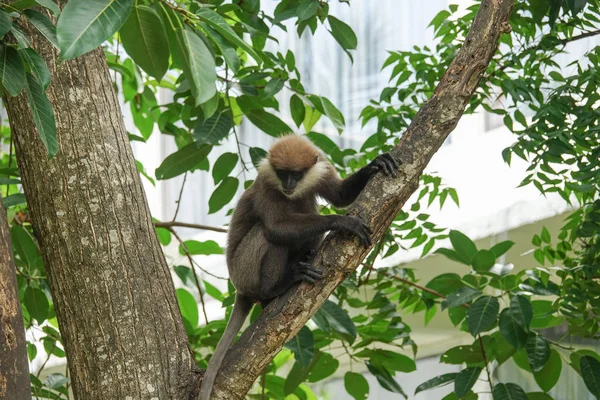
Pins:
x: 485, y: 360
x: 10, y: 146
x: 179, y: 198
x: 196, y: 280
x: 172, y: 224
x: 414, y: 284
x: 579, y: 37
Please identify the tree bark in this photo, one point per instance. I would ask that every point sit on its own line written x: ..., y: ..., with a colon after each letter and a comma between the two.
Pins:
x: 379, y: 203
x: 14, y: 367
x: 110, y: 284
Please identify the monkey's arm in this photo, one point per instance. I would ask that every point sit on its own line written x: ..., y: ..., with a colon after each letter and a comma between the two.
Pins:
x: 288, y: 229
x: 343, y: 192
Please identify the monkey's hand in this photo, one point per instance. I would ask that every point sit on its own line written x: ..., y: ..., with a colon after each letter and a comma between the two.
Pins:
x: 386, y: 163
x: 355, y: 226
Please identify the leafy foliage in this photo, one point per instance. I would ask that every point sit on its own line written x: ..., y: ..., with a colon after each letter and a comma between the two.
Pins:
x: 212, y: 57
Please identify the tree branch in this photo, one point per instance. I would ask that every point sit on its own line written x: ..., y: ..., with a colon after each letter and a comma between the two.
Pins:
x: 172, y: 224
x: 378, y: 205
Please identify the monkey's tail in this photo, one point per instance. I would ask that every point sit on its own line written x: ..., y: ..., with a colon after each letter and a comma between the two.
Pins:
x: 241, y: 309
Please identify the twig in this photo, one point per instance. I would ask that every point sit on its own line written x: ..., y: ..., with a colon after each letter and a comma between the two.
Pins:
x: 415, y: 285
x: 45, y: 362
x: 196, y: 280
x: 10, y: 146
x: 179, y: 198
x: 172, y: 224
x: 370, y: 267
x: 487, y: 369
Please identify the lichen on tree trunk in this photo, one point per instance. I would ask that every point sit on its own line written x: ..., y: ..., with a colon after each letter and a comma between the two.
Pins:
x: 110, y: 284
x: 14, y: 368
x: 378, y: 204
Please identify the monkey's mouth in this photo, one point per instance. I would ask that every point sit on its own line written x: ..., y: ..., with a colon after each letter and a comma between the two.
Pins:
x: 288, y: 192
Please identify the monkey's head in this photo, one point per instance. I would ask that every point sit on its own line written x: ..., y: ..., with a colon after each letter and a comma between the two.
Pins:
x: 294, y: 166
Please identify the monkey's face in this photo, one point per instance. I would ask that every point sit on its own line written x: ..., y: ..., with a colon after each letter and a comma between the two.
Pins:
x: 289, y: 180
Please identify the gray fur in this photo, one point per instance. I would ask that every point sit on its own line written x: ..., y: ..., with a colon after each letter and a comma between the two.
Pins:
x: 272, y: 236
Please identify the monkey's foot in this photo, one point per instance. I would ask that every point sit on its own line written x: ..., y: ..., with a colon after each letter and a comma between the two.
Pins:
x: 307, y: 273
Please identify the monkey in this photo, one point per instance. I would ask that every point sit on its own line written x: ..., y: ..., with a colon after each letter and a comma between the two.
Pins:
x: 276, y: 228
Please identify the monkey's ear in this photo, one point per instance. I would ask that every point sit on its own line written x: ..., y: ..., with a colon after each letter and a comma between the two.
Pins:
x: 316, y: 159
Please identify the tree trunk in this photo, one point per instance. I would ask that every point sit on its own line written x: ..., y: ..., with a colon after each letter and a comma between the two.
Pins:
x: 110, y: 284
x: 378, y: 204
x: 14, y: 368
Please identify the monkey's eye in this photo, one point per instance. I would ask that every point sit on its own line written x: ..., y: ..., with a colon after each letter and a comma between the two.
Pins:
x: 297, y: 175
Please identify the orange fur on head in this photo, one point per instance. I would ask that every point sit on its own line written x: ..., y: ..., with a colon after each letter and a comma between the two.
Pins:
x: 293, y: 152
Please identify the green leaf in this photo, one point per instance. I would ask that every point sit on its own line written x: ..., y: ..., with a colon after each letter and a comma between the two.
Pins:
x: 198, y: 64
x: 14, y: 200
x: 521, y: 310
x: 307, y: 10
x: 50, y: 5
x: 482, y: 314
x: 388, y: 359
x: 219, y: 24
x: 590, y: 371
x: 511, y: 330
x: 267, y: 122
x: 9, y: 181
x: 31, y: 351
x: 164, y: 236
x: 256, y: 155
x: 338, y: 320
x: 22, y: 40
x: 43, y: 25
x: 188, y: 307
x: 438, y: 381
x: 451, y: 255
x: 144, y: 38
x: 539, y: 396
x: 469, y: 355
x: 385, y: 379
x: 483, y: 260
x: 303, y: 346
x: 311, y: 117
x: 214, y: 129
x: 37, y: 65
x: 547, y: 377
x: 25, y: 246
x: 229, y: 52
x: 508, y: 391
x: 297, y: 110
x: 460, y: 296
x: 213, y: 291
x: 333, y: 114
x: 183, y: 160
x: 356, y: 385
x: 43, y: 114
x: 206, y: 248
x: 465, y: 248
x: 344, y: 35
x: 223, y: 194
x: 465, y: 380
x: 538, y: 352
x: 223, y: 166
x: 12, y: 70
x: 502, y: 247
x: 37, y: 304
x: 5, y: 23
x: 84, y: 25
x: 273, y: 87
x: 325, y: 366
x: 296, y: 376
